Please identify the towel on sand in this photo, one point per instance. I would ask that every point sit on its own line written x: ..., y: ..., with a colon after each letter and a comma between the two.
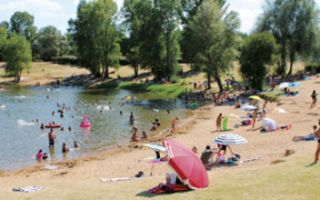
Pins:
x: 27, y: 189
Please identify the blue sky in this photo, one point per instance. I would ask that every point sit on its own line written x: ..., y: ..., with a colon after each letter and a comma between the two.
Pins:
x: 58, y: 12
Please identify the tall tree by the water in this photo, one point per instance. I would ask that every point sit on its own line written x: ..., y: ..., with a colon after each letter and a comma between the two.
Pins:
x: 48, y: 41
x: 294, y: 24
x: 134, y: 13
x: 17, y: 55
x: 258, y: 51
x: 96, y: 36
x: 160, y: 48
x: 214, y: 35
x: 22, y: 23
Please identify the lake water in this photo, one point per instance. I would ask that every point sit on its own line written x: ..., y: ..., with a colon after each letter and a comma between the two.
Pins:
x: 20, y: 139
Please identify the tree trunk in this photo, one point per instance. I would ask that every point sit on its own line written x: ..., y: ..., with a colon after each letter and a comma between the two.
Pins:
x: 106, y: 72
x: 219, y: 82
x: 18, y: 77
x: 136, y: 71
x: 209, y: 81
x: 283, y: 62
x: 292, y: 58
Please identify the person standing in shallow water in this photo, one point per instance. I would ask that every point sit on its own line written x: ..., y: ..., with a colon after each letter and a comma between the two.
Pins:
x: 51, y: 137
x: 131, y: 119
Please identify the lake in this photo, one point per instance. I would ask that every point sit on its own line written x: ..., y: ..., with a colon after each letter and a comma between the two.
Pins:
x: 21, y: 138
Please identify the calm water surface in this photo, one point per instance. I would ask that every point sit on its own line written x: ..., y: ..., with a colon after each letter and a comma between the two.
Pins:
x: 20, y: 139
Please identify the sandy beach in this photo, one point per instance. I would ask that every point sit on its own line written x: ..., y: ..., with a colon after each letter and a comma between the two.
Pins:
x: 80, y: 178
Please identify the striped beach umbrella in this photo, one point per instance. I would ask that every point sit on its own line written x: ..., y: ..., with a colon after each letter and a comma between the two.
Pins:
x: 229, y: 138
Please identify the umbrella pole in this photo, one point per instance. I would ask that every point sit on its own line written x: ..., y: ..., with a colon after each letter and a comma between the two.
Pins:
x: 151, y: 170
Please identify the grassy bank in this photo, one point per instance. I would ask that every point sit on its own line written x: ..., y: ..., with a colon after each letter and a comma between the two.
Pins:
x: 155, y: 91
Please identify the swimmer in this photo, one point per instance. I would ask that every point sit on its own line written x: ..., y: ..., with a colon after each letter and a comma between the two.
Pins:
x: 65, y: 149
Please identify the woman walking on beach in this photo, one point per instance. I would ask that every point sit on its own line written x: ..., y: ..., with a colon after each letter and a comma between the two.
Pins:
x: 314, y: 99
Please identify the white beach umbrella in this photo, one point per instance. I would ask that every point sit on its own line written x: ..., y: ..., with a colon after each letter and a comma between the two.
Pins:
x: 156, y: 147
x: 248, y: 108
x: 229, y: 138
x: 284, y: 85
x: 269, y: 124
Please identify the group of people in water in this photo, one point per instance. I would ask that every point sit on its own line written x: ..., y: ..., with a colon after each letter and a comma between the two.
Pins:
x: 62, y: 108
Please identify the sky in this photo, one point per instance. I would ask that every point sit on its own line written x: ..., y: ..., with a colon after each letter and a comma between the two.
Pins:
x: 58, y: 12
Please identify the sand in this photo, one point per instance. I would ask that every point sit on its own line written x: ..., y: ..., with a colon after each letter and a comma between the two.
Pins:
x: 80, y: 178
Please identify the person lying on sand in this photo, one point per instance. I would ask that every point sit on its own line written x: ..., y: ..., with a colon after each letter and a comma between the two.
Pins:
x: 309, y: 137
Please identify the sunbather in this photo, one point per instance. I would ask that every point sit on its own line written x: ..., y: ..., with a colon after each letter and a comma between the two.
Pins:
x: 172, y: 182
x: 309, y: 137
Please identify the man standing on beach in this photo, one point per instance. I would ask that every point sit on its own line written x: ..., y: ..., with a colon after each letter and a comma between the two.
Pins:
x: 51, y: 137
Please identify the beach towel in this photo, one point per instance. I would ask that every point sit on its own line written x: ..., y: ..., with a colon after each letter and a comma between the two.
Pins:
x: 27, y: 189
x: 170, y: 188
x: 51, y: 167
x: 121, y: 179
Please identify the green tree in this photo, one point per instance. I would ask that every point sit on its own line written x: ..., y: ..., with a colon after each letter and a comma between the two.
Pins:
x: 22, y: 23
x: 96, y: 36
x: 5, y: 25
x: 3, y: 39
x: 293, y: 23
x: 134, y: 12
x: 190, y: 8
x: 49, y: 41
x: 214, y: 37
x: 256, y: 53
x: 17, y: 55
x: 160, y: 48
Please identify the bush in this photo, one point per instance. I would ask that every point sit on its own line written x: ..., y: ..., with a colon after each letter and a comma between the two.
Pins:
x: 313, y: 68
x: 66, y: 60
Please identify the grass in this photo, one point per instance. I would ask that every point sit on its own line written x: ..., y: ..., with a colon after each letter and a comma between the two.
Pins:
x: 292, y: 179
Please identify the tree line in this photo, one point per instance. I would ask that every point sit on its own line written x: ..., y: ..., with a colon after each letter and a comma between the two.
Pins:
x: 159, y: 34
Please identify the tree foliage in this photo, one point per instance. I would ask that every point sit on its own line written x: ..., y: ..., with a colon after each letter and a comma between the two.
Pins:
x: 214, y: 38
x: 256, y: 53
x: 294, y: 25
x: 49, y: 42
x: 22, y: 23
x: 96, y: 36
x: 160, y: 48
x: 3, y: 38
x: 17, y: 55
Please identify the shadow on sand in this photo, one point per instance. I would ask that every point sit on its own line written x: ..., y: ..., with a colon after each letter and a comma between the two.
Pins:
x: 146, y: 194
